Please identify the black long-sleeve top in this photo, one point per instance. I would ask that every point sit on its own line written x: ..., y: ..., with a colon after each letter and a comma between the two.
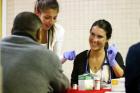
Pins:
x: 81, y: 61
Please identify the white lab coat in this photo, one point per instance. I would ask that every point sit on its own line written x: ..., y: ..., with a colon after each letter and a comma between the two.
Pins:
x: 57, y: 40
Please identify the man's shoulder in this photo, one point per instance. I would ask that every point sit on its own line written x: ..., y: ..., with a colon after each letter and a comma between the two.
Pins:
x: 43, y: 50
x: 135, y: 46
x: 134, y: 50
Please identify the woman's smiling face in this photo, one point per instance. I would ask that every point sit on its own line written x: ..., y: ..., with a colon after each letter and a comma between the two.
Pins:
x: 48, y: 18
x: 97, y: 38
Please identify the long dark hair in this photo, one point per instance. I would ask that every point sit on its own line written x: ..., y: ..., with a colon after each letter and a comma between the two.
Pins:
x: 106, y: 26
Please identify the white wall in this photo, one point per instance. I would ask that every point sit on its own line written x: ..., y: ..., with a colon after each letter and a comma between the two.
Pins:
x: 78, y: 15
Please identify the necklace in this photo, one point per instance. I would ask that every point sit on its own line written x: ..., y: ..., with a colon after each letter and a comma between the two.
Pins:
x: 95, y: 65
x: 95, y: 62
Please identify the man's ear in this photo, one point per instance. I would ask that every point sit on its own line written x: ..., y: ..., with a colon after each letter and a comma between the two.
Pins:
x: 37, y: 12
x: 12, y: 31
x: 37, y: 35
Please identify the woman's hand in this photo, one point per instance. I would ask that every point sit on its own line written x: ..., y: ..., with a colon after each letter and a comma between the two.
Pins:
x: 69, y: 55
x: 111, y: 54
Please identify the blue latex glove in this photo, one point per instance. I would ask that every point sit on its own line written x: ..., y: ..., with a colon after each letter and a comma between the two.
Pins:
x: 69, y: 55
x: 111, y: 53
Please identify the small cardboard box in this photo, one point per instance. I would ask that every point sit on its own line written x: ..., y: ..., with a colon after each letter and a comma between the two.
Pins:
x: 85, y: 82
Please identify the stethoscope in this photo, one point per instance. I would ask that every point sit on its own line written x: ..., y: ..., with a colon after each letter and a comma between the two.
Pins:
x: 86, y: 65
x: 48, y: 38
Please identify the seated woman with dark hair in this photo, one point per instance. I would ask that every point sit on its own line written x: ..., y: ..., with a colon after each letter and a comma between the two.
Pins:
x: 100, y: 60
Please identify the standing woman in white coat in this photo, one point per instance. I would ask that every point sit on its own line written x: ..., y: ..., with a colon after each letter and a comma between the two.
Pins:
x: 51, y: 33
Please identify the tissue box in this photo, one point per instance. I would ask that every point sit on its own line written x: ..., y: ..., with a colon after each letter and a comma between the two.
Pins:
x: 118, y: 85
x: 85, y: 82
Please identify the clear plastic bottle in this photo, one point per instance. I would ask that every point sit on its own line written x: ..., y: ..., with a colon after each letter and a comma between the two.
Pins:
x: 74, y: 86
x: 97, y: 84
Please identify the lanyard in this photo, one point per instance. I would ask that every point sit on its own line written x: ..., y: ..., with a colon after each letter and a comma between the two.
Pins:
x: 86, y: 63
x: 48, y: 38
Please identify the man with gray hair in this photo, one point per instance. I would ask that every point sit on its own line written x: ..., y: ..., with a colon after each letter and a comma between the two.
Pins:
x: 28, y: 67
